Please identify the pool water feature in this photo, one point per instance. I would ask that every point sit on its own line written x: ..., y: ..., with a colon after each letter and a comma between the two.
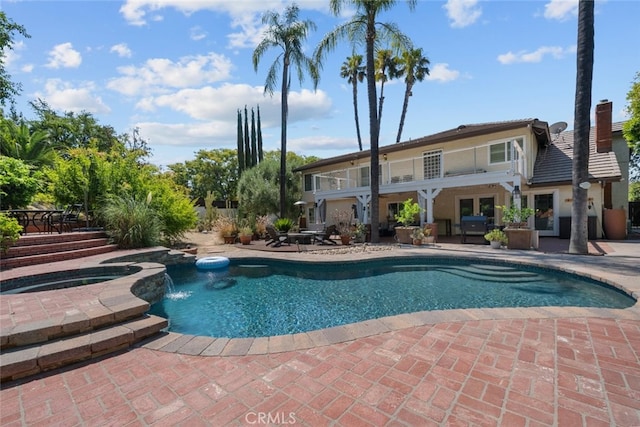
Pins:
x: 265, y: 297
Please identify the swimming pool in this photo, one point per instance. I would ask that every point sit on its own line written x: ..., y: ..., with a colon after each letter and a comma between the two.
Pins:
x: 255, y: 298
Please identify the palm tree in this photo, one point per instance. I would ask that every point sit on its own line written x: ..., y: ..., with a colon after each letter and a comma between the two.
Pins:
x: 32, y: 147
x: 363, y: 27
x: 414, y: 67
x: 584, y: 79
x: 386, y: 69
x: 353, y: 70
x: 289, y: 34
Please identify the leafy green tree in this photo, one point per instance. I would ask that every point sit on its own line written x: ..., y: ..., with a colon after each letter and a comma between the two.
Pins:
x: 364, y: 27
x: 17, y: 183
x: 578, y: 243
x: 8, y: 30
x: 211, y: 170
x: 414, y: 66
x: 353, y: 70
x: 287, y: 34
x: 631, y: 128
x: 73, y: 130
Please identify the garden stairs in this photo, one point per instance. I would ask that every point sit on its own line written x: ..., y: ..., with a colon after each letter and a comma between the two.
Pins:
x: 33, y: 249
x: 116, y: 321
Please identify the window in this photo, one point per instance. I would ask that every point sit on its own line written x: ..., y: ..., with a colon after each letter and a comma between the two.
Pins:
x: 364, y: 176
x: 432, y: 164
x: 308, y: 182
x: 501, y: 152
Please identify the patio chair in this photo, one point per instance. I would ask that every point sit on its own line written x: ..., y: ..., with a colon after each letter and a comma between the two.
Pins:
x: 325, y: 238
x: 71, y: 216
x: 274, y: 238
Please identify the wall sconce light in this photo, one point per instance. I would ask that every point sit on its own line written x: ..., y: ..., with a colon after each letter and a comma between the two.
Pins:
x: 384, y: 156
x: 352, y: 162
x: 516, y: 192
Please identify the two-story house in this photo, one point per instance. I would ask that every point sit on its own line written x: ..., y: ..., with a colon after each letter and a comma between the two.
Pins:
x: 472, y: 169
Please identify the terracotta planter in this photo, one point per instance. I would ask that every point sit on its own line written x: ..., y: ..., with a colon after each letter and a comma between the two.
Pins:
x: 615, y: 224
x: 403, y: 234
x: 228, y: 240
x: 246, y: 240
x: 346, y: 239
x: 417, y: 242
x: 434, y: 230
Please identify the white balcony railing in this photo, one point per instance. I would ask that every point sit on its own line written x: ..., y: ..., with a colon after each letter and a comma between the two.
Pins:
x: 431, y: 166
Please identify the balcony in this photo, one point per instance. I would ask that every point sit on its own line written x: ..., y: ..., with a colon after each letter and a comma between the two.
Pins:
x: 454, y: 165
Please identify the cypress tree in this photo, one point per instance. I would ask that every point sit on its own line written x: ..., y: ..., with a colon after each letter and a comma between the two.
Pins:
x: 260, y: 154
x: 241, y: 165
x: 247, y: 146
x: 254, y: 150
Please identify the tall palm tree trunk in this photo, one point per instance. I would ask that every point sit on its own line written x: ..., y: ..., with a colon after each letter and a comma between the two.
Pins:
x: 405, y: 105
x: 374, y: 131
x: 283, y: 137
x: 355, y: 111
x: 578, y: 243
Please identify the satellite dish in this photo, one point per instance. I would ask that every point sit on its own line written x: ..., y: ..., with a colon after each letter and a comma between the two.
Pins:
x: 558, y: 127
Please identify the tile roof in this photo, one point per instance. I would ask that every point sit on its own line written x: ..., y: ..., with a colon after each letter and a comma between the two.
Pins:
x: 554, y: 162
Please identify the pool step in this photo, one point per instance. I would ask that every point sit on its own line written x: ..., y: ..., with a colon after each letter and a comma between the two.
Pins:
x: 45, y: 248
x: 23, y: 361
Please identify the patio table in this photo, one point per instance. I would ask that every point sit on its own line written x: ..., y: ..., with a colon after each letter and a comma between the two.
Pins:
x: 48, y: 219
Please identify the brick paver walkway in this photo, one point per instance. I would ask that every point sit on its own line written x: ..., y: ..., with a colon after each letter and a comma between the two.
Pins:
x: 564, y: 372
x: 571, y: 371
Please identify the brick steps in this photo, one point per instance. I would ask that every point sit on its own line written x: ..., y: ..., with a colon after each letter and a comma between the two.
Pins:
x: 44, y: 248
x: 29, y: 360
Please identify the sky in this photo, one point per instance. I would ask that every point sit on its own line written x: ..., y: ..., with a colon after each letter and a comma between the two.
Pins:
x: 178, y: 70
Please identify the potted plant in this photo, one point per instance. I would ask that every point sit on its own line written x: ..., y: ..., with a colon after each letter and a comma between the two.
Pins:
x: 519, y: 235
x: 514, y: 217
x: 407, y: 216
x: 283, y: 225
x: 496, y: 238
x: 428, y: 237
x: 226, y: 228
x: 246, y: 235
x: 417, y: 235
x: 359, y: 233
x: 342, y: 221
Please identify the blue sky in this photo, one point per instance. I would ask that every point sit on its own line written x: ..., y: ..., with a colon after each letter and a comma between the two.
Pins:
x: 179, y: 69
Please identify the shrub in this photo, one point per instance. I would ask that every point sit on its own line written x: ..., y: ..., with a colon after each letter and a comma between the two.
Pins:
x: 132, y: 223
x: 9, y: 231
x: 17, y: 184
x: 408, y: 213
x: 283, y: 225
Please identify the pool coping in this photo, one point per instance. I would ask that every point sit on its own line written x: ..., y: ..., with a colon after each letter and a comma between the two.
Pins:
x: 575, y: 264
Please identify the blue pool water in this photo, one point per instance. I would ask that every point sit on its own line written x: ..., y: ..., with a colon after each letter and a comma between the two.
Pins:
x: 255, y: 298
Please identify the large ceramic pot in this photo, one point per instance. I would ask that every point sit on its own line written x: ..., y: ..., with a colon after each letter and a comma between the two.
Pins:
x: 403, y: 234
x: 346, y: 239
x: 246, y: 239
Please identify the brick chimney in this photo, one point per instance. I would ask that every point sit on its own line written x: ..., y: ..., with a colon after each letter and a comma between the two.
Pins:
x: 604, y: 135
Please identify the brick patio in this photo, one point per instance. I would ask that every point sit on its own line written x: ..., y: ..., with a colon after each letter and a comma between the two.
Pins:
x: 536, y: 367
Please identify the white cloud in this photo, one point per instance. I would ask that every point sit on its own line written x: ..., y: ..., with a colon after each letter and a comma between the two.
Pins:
x: 442, y: 73
x: 122, y: 50
x: 65, y: 97
x: 197, y: 33
x: 158, y: 74
x: 64, y: 56
x: 561, y: 10
x: 209, y: 103
x: 538, y: 55
x: 214, y: 134
x: 462, y: 13
x: 11, y: 54
x: 318, y: 144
